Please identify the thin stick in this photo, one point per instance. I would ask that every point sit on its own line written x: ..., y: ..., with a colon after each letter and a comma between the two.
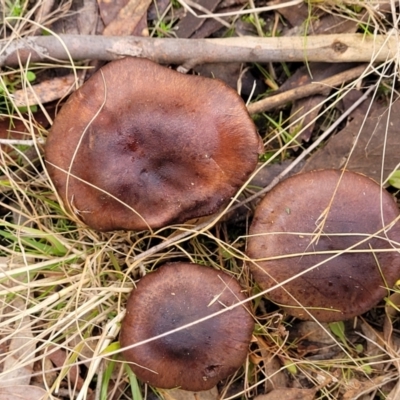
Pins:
x: 281, y: 99
x: 322, y: 48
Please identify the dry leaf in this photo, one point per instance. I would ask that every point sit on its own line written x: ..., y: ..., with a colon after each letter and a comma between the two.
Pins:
x: 81, y: 19
x: 230, y: 73
x: 391, y: 310
x: 394, y: 393
x: 305, y: 111
x: 356, y: 388
x: 190, y: 23
x: 109, y: 9
x: 288, y: 394
x: 314, y: 332
x: 127, y: 18
x: 23, y: 392
x: 12, y: 127
x: 374, y: 345
x: 271, y: 368
x: 44, y: 374
x: 295, y: 15
x: 177, y: 394
x: 44, y: 92
x: 377, y: 134
x: 59, y: 358
x: 87, y: 17
x: 42, y: 14
x: 17, y: 365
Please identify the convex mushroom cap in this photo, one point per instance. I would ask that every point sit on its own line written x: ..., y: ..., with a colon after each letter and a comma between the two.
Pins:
x: 195, y: 358
x: 140, y: 145
x: 305, y: 224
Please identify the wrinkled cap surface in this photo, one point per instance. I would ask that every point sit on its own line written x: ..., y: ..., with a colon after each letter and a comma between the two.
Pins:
x: 195, y: 358
x: 287, y: 223
x: 140, y: 145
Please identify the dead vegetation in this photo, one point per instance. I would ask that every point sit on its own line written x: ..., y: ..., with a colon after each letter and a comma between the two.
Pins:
x: 63, y: 287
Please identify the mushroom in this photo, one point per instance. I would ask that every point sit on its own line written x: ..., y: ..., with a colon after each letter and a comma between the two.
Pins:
x: 141, y: 146
x: 331, y: 237
x: 197, y: 357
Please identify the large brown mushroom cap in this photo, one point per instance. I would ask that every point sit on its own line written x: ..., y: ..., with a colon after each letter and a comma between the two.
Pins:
x: 288, y: 221
x: 140, y: 145
x: 195, y: 358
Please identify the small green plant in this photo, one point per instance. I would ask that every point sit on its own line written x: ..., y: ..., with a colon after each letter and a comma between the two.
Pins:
x: 265, y: 157
x: 394, y: 179
x: 14, y: 8
x: 107, y: 378
x: 251, y: 19
x: 338, y: 329
x: 290, y: 367
x: 268, y: 78
x: 135, y: 388
x: 285, y: 137
x: 8, y: 85
x: 33, y: 239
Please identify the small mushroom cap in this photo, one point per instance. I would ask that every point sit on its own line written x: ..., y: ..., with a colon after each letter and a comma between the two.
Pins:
x: 140, y: 145
x: 287, y: 223
x: 195, y: 358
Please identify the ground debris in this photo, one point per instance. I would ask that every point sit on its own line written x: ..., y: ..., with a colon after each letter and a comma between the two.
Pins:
x: 292, y: 394
x: 368, y: 144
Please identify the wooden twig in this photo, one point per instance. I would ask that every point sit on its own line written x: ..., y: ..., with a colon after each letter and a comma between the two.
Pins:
x: 190, y: 52
x: 281, y: 99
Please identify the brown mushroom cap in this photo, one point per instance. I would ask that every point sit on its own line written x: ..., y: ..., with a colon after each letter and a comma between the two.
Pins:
x: 287, y: 222
x: 195, y: 358
x: 140, y: 145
